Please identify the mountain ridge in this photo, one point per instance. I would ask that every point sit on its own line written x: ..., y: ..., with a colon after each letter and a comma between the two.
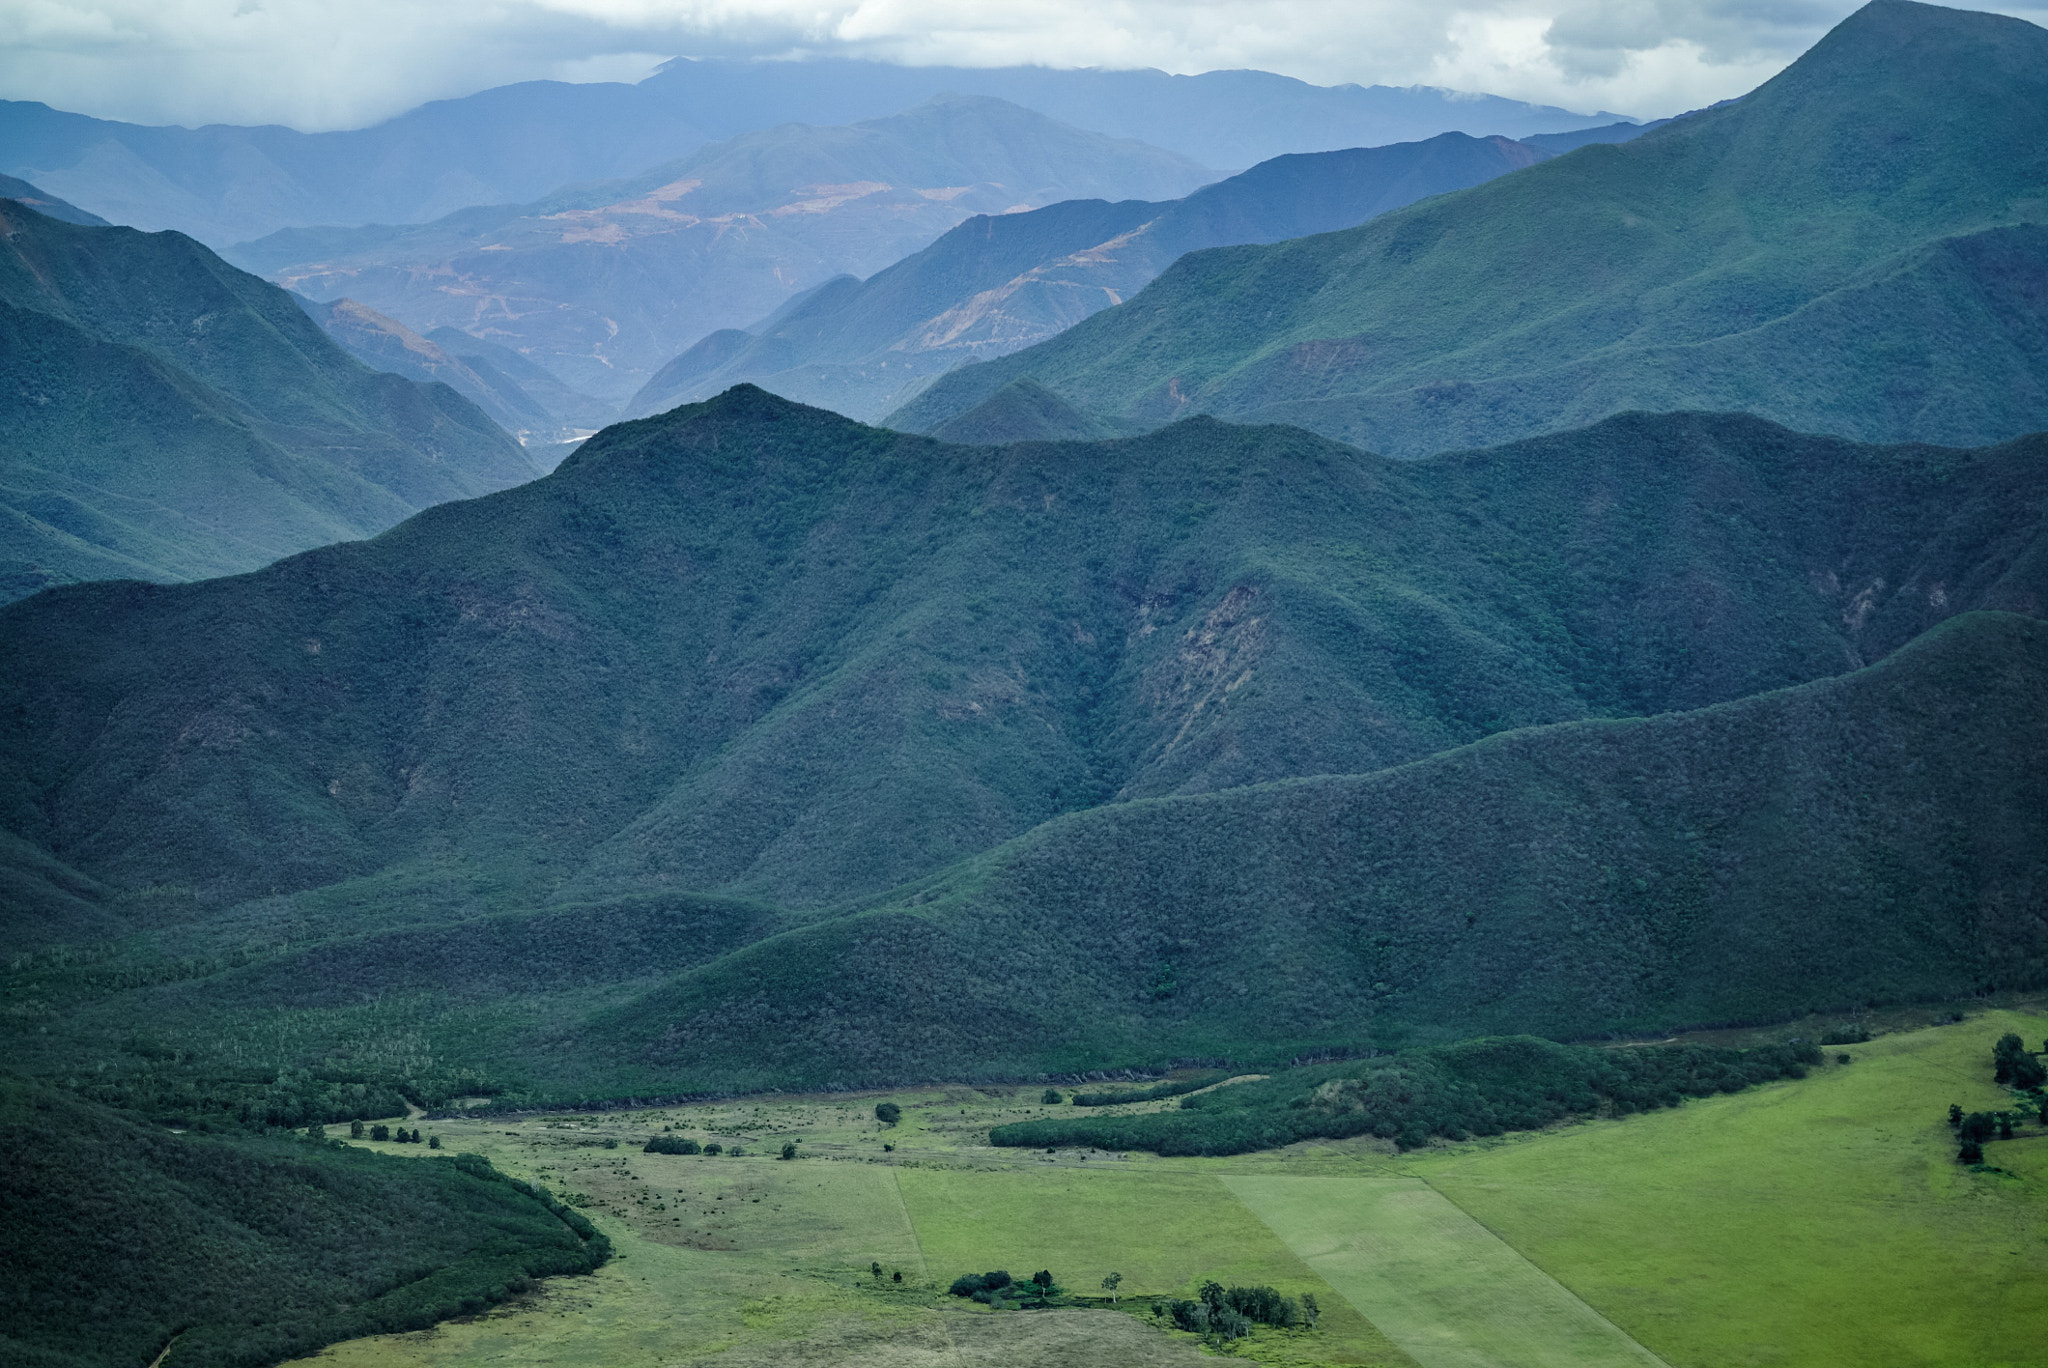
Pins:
x: 1795, y: 253
x: 995, y: 284
x: 176, y: 418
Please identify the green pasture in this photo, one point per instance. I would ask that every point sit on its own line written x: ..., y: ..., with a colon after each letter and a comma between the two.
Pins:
x: 1822, y: 1222
x: 1440, y: 1285
x: 1804, y: 1224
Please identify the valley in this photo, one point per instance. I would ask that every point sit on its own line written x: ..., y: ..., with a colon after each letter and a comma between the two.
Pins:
x: 1595, y: 1238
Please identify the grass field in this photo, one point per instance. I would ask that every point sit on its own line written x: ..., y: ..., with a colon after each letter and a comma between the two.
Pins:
x: 1818, y: 1222
x: 1806, y: 1224
x: 1437, y: 1282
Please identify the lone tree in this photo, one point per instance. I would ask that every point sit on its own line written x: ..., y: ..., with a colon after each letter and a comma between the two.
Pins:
x: 789, y: 1149
x: 380, y: 1132
x: 876, y: 1269
x: 355, y: 1130
x: 1110, y: 1285
x: 888, y: 1113
x: 1052, y: 1097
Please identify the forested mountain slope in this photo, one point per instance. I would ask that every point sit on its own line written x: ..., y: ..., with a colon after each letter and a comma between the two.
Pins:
x: 137, y: 1245
x: 171, y: 417
x: 1859, y: 246
x: 1862, y: 840
x: 1880, y: 837
x: 998, y: 283
x: 755, y: 648
x: 602, y: 283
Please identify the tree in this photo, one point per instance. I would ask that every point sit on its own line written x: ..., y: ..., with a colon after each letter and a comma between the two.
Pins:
x: 433, y: 1142
x: 789, y: 1149
x: 1110, y: 1285
x: 2004, y: 1126
x: 1955, y: 1115
x: 1043, y: 1278
x: 713, y: 1147
x: 888, y: 1113
x: 355, y: 1130
x: 897, y: 1276
x: 2013, y: 1065
x: 1978, y: 1126
x: 876, y: 1269
x: 1310, y: 1309
x: 1970, y: 1153
x: 316, y: 1131
x: 1052, y: 1097
x: 380, y: 1132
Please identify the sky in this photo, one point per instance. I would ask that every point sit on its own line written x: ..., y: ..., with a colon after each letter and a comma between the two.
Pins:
x: 323, y: 64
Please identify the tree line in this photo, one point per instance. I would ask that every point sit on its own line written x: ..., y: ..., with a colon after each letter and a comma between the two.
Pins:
x: 1475, y: 1087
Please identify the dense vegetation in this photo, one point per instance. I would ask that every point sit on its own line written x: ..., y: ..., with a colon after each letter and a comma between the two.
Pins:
x: 1855, y: 247
x: 412, y: 801
x: 999, y: 282
x: 1475, y: 1087
x: 239, y: 1251
x: 171, y: 417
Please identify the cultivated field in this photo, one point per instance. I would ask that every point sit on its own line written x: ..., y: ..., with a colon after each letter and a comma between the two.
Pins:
x: 1819, y: 1222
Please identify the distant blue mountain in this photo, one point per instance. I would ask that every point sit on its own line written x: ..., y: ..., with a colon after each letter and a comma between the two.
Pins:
x: 225, y: 184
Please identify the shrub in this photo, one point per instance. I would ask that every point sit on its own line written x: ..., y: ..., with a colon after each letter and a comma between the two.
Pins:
x: 888, y: 1113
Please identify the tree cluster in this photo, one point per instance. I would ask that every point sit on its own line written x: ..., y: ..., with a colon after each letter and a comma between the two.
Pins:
x: 671, y: 1144
x: 1476, y: 1087
x: 1230, y: 1312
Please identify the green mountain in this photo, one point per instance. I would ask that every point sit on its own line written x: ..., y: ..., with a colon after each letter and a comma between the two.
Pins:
x: 170, y: 417
x: 136, y: 1245
x: 999, y: 283
x: 571, y: 763
x: 600, y: 284
x: 1855, y: 247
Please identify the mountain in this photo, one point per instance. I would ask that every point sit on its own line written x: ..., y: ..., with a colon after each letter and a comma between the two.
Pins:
x: 733, y: 674
x: 513, y: 144
x: 238, y: 1249
x: 170, y: 417
x: 21, y: 192
x: 601, y: 284
x: 518, y: 396
x: 999, y: 283
x: 1859, y: 246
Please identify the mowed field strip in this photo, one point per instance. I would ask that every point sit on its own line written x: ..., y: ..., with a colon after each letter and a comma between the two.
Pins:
x: 1436, y: 1282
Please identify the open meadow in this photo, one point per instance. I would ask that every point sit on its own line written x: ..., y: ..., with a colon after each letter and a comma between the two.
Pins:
x: 1821, y: 1221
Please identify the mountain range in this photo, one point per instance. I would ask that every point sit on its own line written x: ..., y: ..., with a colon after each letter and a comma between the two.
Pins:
x: 172, y: 417
x: 1859, y: 246
x: 998, y: 283
x: 601, y: 284
x: 737, y: 672
x: 513, y: 144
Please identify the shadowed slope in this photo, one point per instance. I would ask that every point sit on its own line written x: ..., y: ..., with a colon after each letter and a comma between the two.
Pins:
x: 757, y: 648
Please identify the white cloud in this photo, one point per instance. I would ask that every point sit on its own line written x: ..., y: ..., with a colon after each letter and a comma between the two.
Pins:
x: 340, y: 63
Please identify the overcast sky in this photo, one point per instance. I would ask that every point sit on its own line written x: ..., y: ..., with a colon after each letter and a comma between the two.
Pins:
x: 331, y: 64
